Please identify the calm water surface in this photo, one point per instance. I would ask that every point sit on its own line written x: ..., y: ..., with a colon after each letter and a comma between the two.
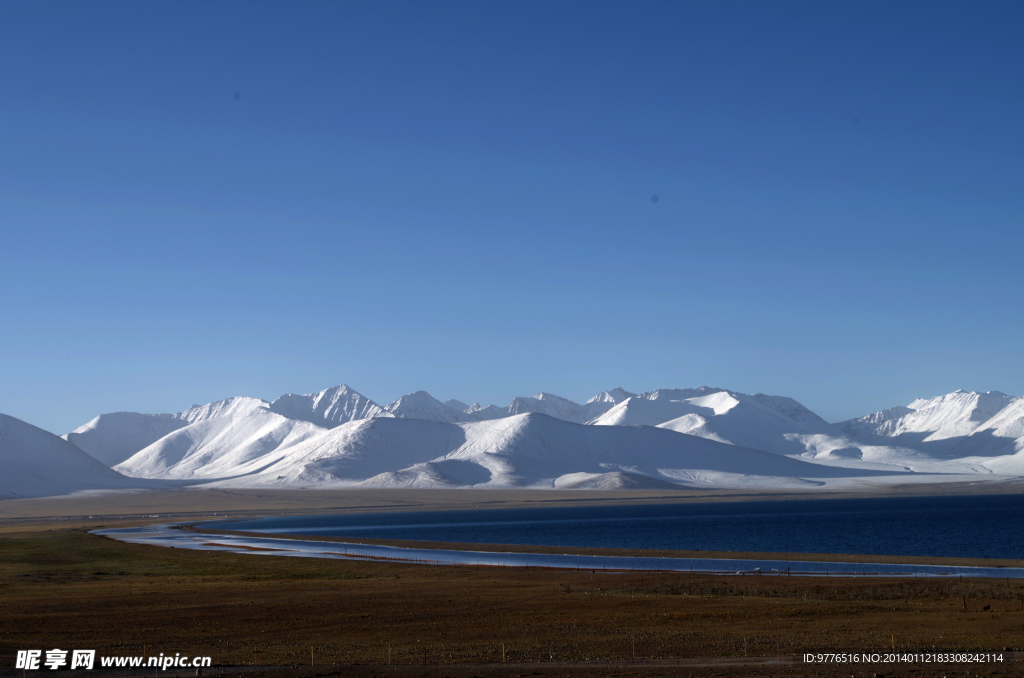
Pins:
x: 952, y: 526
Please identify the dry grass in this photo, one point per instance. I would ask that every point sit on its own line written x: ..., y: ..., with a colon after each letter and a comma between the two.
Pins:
x: 62, y: 587
x: 67, y: 588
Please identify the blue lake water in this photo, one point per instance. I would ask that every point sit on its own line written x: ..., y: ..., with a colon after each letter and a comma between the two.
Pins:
x: 990, y: 526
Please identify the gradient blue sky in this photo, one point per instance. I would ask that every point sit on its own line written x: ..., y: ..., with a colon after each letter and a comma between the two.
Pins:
x: 200, y: 200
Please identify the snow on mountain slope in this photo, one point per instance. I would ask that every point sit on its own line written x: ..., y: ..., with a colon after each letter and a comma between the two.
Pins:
x: 998, y: 444
x: 1003, y: 434
x: 936, y: 426
x: 639, y: 411
x: 422, y: 405
x: 1008, y: 464
x: 1008, y: 422
x: 36, y: 463
x: 457, y: 405
x: 238, y: 406
x: 611, y: 481
x: 551, y: 405
x: 112, y: 438
x: 787, y: 407
x: 679, y: 393
x: 602, y: 402
x: 770, y: 423
x: 217, y: 447
x: 530, y: 450
x: 340, y: 437
x: 478, y: 413
x: 329, y: 408
x: 953, y: 415
x: 614, y: 396
x: 881, y: 423
x: 355, y: 451
x: 794, y: 411
x: 747, y: 426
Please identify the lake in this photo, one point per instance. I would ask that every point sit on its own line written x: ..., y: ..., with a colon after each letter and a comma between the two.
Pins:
x: 987, y: 526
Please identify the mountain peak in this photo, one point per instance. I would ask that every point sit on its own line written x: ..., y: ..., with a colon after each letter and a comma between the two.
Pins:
x: 614, y: 396
x: 681, y: 393
x: 331, y: 407
x: 551, y: 405
x: 457, y: 405
x: 476, y: 412
x: 422, y: 405
x: 936, y: 423
x: 552, y: 397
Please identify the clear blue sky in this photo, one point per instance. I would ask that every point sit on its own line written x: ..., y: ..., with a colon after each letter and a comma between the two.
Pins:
x: 207, y: 199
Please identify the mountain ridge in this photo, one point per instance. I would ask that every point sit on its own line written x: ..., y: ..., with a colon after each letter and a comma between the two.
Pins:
x: 290, y: 440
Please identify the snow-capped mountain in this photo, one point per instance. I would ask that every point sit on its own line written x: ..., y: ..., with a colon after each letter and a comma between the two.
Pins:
x: 876, y: 424
x: 567, y: 410
x: 998, y: 444
x: 937, y: 426
x: 478, y: 413
x: 604, y: 401
x: 614, y: 396
x: 217, y: 447
x: 422, y: 405
x: 457, y: 405
x: 551, y: 405
x: 36, y: 463
x: 679, y: 393
x: 1002, y: 434
x: 772, y: 424
x: 329, y: 408
x: 528, y: 450
x: 769, y: 423
x: 112, y: 438
x: 616, y: 439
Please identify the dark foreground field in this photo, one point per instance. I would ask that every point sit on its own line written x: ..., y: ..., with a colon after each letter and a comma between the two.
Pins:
x: 288, y: 617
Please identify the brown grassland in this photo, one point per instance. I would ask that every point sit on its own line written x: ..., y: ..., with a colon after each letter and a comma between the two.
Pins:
x: 63, y: 587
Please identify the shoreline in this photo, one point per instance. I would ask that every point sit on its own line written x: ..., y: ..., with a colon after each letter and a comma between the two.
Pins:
x: 196, y: 505
x: 630, y: 553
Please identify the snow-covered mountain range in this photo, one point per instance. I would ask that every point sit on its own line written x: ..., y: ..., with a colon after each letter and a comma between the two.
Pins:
x: 942, y: 426
x: 709, y: 437
x: 114, y: 437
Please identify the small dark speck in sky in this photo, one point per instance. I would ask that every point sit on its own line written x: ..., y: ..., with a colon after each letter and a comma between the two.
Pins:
x: 238, y: 95
x: 655, y: 198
